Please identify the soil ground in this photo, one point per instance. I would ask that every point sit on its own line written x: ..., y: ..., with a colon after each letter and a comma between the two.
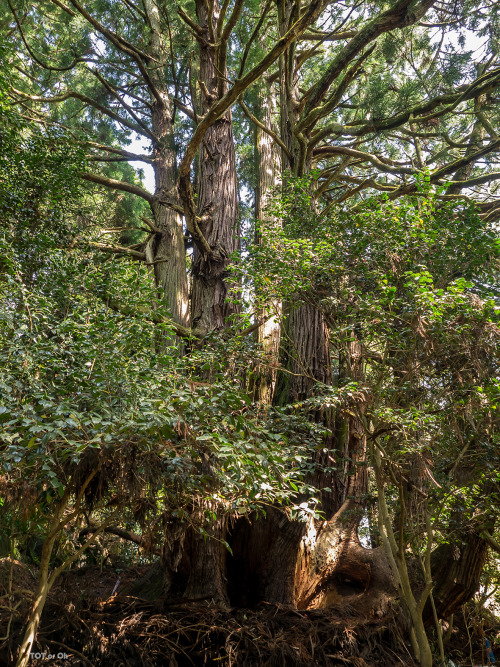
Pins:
x: 93, y: 625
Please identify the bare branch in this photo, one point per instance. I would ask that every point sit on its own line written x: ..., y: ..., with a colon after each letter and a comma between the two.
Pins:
x: 64, y: 7
x: 264, y: 128
x: 125, y: 535
x: 120, y: 151
x: 150, y: 224
x: 231, y: 22
x: 119, y: 250
x: 119, y: 185
x: 328, y: 36
x: 381, y: 165
x: 185, y: 109
x: 421, y: 112
x: 439, y: 174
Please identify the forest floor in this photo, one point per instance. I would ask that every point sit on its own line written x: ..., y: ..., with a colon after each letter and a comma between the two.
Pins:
x: 88, y: 624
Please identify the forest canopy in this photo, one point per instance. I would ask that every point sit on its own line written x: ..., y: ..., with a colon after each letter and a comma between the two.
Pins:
x: 249, y: 326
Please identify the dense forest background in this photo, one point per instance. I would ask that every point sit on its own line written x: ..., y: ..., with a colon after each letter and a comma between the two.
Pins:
x: 249, y: 412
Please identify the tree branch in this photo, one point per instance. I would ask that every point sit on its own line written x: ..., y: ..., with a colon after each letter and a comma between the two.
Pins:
x: 86, y: 100
x: 485, y: 535
x: 343, y: 150
x: 118, y: 97
x: 113, y: 37
x: 119, y: 185
x: 329, y: 37
x: 400, y: 15
x: 190, y: 23
x: 120, y: 151
x: 264, y: 128
x: 252, y: 38
x: 312, y: 118
x: 136, y: 54
x: 151, y: 226
x: 119, y: 250
x: 125, y: 535
x: 444, y: 171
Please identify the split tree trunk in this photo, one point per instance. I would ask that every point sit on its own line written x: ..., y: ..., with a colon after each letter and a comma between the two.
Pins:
x: 283, y: 562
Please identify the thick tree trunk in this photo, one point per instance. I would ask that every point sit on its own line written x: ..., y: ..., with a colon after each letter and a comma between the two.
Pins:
x: 333, y: 567
x: 217, y: 195
x: 197, y: 559
x: 166, y: 250
x: 456, y: 572
x: 291, y: 572
x: 305, y: 356
x: 207, y: 556
x: 269, y: 178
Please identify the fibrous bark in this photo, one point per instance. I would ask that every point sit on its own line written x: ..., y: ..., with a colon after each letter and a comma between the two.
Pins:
x: 217, y: 193
x: 165, y: 251
x: 269, y: 178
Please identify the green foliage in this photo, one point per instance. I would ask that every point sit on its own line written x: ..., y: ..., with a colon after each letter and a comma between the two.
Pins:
x: 83, y: 385
x: 413, y: 283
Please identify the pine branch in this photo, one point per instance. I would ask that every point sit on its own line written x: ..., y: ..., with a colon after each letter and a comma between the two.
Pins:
x: 51, y: 68
x: 86, y: 100
x: 402, y: 14
x: 126, y: 47
x: 120, y: 99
